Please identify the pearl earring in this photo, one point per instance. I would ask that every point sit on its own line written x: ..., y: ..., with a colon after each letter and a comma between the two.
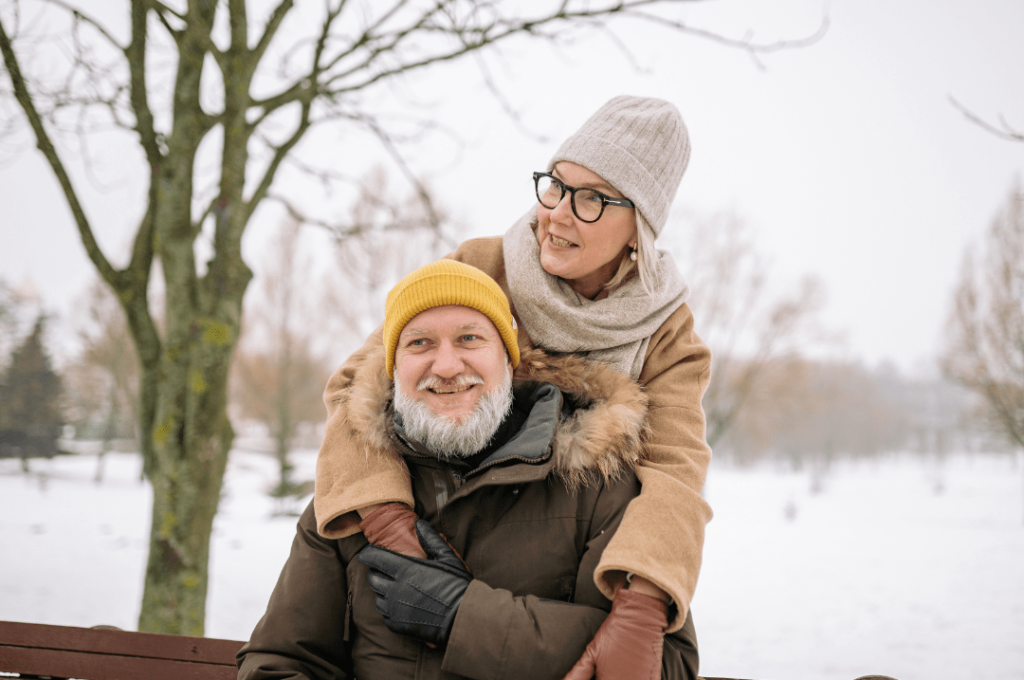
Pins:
x: 632, y: 255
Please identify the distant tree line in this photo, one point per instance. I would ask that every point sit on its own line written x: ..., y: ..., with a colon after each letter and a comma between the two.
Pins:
x: 818, y: 411
x: 31, y: 416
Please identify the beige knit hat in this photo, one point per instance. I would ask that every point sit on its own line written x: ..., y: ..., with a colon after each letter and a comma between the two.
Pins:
x: 640, y: 146
x: 446, y: 282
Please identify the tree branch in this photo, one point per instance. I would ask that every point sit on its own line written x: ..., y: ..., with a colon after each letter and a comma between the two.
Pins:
x: 421, y: 191
x: 1005, y: 132
x: 744, y: 44
x: 162, y: 9
x: 474, y: 38
x: 161, y: 14
x: 238, y: 21
x: 505, y: 104
x: 78, y: 14
x: 273, y: 24
x: 305, y: 91
x: 136, y: 55
x: 367, y: 35
x: 342, y: 231
x: 45, y: 145
x: 280, y: 153
x: 305, y: 88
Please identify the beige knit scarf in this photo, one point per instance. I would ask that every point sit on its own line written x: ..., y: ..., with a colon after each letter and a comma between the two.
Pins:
x: 615, y: 330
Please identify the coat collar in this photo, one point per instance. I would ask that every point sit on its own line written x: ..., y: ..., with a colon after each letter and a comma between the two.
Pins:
x: 602, y: 433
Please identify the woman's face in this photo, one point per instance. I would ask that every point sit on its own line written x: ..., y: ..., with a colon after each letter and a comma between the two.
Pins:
x: 585, y: 254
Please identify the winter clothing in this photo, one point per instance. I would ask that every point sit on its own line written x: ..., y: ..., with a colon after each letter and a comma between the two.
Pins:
x: 446, y: 282
x: 629, y: 642
x: 663, y: 547
x: 391, y: 526
x: 616, y: 328
x: 531, y: 516
x: 418, y: 598
x: 640, y: 146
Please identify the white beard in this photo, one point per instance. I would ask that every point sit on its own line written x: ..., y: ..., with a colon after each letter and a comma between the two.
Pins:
x: 450, y: 437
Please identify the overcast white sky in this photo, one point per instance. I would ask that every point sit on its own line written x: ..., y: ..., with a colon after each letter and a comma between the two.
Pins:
x: 846, y: 157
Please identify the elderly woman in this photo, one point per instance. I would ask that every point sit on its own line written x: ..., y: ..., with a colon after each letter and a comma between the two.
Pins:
x: 583, y: 276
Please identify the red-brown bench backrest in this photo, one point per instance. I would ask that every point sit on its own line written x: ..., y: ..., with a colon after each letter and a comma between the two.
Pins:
x: 92, y: 654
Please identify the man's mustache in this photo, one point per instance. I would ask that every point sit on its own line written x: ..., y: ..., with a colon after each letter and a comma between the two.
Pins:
x: 459, y: 382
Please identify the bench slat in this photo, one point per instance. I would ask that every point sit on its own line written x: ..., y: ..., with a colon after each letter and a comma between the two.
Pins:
x: 86, y: 666
x: 119, y: 642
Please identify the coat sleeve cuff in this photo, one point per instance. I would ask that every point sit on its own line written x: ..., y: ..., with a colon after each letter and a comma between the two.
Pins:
x: 497, y: 635
x: 480, y: 632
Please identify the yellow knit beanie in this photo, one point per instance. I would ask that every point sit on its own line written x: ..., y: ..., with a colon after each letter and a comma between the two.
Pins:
x: 446, y: 282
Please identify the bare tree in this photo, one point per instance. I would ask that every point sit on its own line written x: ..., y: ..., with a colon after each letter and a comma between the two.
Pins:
x: 985, y: 338
x: 101, y: 384
x: 394, y: 239
x: 278, y: 377
x: 750, y: 323
x: 199, y: 79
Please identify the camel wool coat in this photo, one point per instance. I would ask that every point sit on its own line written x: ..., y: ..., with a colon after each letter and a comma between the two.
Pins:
x: 662, y: 532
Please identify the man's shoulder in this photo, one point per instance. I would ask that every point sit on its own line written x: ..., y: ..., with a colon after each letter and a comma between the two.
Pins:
x: 485, y: 253
x: 345, y: 548
x: 604, y: 419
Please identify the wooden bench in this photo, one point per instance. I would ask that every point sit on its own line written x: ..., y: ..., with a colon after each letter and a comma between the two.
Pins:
x: 33, y: 650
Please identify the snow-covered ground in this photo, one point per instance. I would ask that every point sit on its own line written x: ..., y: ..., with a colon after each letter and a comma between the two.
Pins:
x: 899, y: 566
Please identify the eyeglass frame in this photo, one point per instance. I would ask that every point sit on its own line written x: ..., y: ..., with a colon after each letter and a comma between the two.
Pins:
x: 605, y: 200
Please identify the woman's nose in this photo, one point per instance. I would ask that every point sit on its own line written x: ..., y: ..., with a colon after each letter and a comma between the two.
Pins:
x: 563, y: 210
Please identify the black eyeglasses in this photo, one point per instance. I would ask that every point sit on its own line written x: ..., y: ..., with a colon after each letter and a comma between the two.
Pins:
x: 587, y: 204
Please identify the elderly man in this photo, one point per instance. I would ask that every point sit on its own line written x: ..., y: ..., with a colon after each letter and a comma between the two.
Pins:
x: 519, y: 482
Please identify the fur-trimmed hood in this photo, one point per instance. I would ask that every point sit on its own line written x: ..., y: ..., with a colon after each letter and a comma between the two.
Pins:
x: 604, y: 434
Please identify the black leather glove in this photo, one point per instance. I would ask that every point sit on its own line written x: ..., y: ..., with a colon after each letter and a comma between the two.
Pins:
x: 417, y: 597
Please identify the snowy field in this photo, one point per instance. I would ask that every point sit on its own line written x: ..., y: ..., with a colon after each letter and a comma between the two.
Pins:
x: 900, y: 566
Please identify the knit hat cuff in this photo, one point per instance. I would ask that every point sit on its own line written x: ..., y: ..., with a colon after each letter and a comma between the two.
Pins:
x: 442, y: 283
x: 623, y: 171
x: 640, y: 146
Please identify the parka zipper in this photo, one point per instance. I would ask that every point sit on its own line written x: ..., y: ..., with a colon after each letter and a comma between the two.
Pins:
x: 440, y: 490
x: 347, y: 630
x: 523, y: 459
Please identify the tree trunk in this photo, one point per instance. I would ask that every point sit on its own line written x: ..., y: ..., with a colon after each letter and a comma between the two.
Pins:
x: 190, y: 434
x: 283, y: 435
x: 190, y: 443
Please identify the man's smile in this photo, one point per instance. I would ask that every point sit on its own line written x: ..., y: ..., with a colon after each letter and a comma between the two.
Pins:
x: 454, y: 389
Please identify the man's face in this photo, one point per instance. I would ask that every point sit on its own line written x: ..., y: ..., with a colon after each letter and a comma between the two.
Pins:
x: 448, y: 358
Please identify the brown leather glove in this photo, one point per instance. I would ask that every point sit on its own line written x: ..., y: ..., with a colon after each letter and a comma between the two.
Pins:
x: 392, y: 526
x: 628, y: 643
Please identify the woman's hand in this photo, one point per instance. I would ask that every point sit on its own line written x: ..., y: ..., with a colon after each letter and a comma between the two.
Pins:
x: 393, y: 526
x: 629, y: 642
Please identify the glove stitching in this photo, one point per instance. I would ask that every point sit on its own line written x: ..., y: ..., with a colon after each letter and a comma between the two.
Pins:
x: 413, y: 605
x: 443, y: 603
x: 417, y: 622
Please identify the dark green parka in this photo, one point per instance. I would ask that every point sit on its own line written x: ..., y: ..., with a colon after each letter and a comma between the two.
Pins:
x: 530, y: 520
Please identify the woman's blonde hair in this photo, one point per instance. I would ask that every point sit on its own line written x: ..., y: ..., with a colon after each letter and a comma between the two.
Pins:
x: 646, y: 265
